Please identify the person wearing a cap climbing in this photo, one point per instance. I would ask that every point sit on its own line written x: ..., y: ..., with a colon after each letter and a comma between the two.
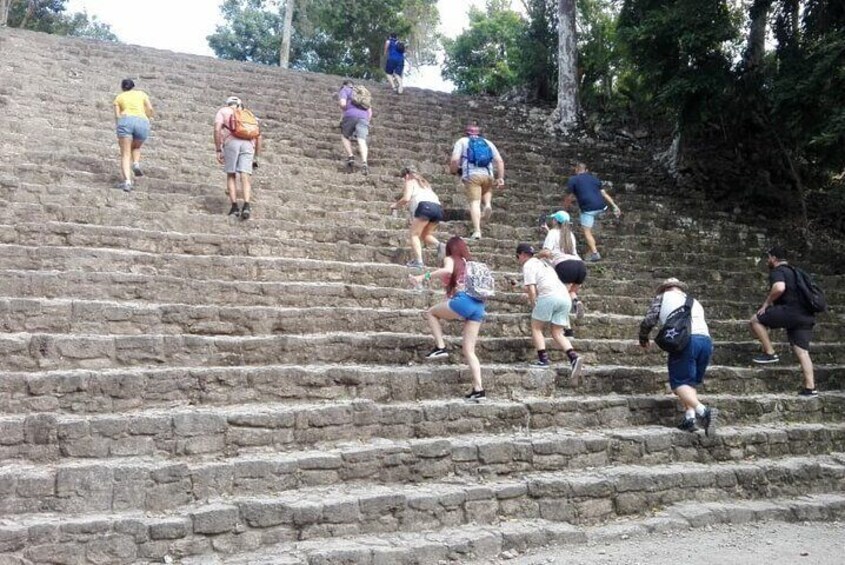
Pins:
x: 480, y: 166
x: 593, y: 201
x: 686, y: 367
x: 132, y: 113
x: 560, y: 248
x: 551, y: 305
x: 238, y: 156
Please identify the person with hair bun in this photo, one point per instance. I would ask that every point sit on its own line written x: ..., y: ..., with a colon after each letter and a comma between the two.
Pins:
x: 132, y: 113
x: 425, y: 211
x: 560, y: 248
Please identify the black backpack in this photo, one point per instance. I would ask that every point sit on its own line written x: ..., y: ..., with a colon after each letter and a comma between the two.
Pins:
x: 674, y: 336
x: 400, y: 47
x: 811, y: 294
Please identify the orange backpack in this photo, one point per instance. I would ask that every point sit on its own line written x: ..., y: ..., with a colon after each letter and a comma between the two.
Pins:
x: 243, y: 124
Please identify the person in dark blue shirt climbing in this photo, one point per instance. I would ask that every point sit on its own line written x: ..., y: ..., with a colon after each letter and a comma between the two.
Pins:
x: 593, y: 201
x: 394, y: 52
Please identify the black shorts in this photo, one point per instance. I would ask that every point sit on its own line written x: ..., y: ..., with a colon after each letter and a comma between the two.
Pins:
x: 573, y: 271
x: 798, y: 324
x: 430, y: 211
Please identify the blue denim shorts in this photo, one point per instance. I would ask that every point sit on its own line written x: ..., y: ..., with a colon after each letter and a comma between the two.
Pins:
x: 467, y: 307
x: 588, y: 219
x: 133, y: 126
x: 688, y: 366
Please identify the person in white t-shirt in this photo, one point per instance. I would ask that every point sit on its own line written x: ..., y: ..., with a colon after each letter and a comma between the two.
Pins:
x: 551, y: 305
x: 687, y: 367
x: 561, y: 249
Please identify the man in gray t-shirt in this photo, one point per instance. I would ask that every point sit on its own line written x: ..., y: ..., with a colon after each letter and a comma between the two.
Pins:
x: 478, y: 178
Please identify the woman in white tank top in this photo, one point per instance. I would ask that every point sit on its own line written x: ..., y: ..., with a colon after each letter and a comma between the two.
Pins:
x: 425, y: 213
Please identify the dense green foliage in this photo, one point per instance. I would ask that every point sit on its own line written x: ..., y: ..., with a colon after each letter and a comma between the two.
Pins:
x: 334, y: 36
x: 50, y: 16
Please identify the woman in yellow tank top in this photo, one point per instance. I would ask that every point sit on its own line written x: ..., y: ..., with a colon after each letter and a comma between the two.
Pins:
x: 132, y: 112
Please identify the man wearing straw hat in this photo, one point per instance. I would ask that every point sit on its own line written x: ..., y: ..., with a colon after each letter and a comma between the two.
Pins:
x: 687, y: 366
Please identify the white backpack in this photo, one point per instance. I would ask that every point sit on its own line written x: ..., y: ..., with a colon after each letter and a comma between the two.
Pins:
x: 479, y: 281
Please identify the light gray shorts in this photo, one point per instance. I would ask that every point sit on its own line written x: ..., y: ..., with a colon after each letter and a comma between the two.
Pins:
x: 238, y: 155
x: 554, y: 309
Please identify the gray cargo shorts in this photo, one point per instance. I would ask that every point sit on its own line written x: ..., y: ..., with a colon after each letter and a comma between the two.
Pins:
x: 238, y: 155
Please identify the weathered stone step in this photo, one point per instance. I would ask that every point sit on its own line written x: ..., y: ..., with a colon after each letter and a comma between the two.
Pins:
x: 581, y: 498
x: 154, y: 485
x: 40, y: 351
x: 507, y: 540
x: 256, y: 428
x: 108, y: 317
x: 118, y: 390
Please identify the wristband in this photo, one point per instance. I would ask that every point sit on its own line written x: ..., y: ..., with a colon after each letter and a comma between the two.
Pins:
x: 427, y: 277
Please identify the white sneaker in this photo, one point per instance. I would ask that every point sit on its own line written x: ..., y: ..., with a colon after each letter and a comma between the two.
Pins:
x: 487, y: 213
x: 475, y: 235
x: 399, y: 90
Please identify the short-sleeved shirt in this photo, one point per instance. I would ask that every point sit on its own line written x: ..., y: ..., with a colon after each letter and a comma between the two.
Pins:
x: 552, y: 243
x: 393, y: 52
x: 131, y: 103
x: 790, y: 296
x: 222, y: 119
x: 351, y: 110
x: 587, y: 189
x: 539, y: 273
x: 459, y: 151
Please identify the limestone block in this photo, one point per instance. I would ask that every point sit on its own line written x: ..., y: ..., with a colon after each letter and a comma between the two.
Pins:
x: 215, y: 519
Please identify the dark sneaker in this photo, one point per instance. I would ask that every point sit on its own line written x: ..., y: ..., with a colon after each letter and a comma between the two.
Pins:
x: 234, y: 210
x: 437, y: 353
x: 136, y: 170
x: 246, y: 211
x: 575, y: 366
x: 365, y: 169
x: 765, y: 358
x: 688, y: 425
x: 476, y: 395
x: 538, y: 363
x: 415, y: 264
x: 580, y: 310
x: 594, y: 257
x: 568, y: 332
x: 708, y: 421
x: 126, y: 186
x: 808, y: 393
x: 350, y: 164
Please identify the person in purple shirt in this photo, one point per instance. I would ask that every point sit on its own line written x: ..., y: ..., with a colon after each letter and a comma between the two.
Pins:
x: 592, y: 201
x: 355, y: 124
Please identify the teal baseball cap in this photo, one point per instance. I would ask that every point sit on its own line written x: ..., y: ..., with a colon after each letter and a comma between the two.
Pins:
x: 560, y: 217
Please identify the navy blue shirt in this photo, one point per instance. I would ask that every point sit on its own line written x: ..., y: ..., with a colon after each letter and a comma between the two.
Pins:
x: 587, y: 189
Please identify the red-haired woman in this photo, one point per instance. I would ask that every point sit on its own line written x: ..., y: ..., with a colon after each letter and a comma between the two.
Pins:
x: 458, y: 306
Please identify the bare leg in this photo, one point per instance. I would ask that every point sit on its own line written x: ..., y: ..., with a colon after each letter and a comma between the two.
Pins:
x: 136, y: 151
x: 433, y: 316
x: 125, y: 144
x: 591, y: 241
x: 347, y: 145
x: 762, y: 334
x: 428, y: 234
x: 688, y: 397
x: 475, y: 215
x: 487, y: 199
x: 573, y: 290
x: 537, y: 334
x: 560, y: 339
x: 470, y: 338
x: 232, y: 187
x: 398, y: 83
x: 362, y: 148
x: 418, y: 225
x: 246, y: 186
x: 806, y: 366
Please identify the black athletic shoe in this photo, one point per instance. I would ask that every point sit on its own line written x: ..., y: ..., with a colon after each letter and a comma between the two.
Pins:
x: 476, y: 395
x: 538, y: 363
x: 350, y: 164
x: 708, y: 421
x: 688, y: 425
x: 437, y: 353
x: 765, y: 358
x: 234, y: 211
x: 365, y: 170
x: 808, y: 393
x: 568, y: 332
x: 246, y: 211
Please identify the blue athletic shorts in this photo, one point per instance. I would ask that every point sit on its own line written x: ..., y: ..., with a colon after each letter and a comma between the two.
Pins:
x: 467, y: 307
x: 688, y: 366
x: 133, y: 126
x: 588, y: 219
x: 395, y: 67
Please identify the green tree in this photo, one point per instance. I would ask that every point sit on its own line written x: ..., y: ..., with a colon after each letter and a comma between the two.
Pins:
x: 50, y: 16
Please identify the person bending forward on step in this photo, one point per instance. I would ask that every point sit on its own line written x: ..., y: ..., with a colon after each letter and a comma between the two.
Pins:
x: 458, y: 306
x: 132, y: 113
x: 354, y: 125
x: 592, y: 201
x: 425, y: 211
x: 238, y: 156
x: 686, y: 367
x: 474, y: 159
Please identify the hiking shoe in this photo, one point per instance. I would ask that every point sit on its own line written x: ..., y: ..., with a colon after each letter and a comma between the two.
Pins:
x: 441, y: 251
x: 365, y: 170
x: 708, y: 421
x: 350, y: 164
x: 475, y: 235
x: 437, y: 353
x: 476, y: 395
x: 568, y: 332
x: 487, y: 213
x: 400, y: 89
x: 575, y: 367
x: 688, y: 425
x: 538, y: 363
x: 415, y: 264
x: 126, y: 186
x: 136, y: 170
x: 765, y: 358
x: 580, y: 309
x: 234, y: 211
x: 245, y: 211
x: 808, y: 393
x: 594, y: 257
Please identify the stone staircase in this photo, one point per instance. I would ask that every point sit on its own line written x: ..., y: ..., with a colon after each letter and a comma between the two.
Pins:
x: 180, y: 387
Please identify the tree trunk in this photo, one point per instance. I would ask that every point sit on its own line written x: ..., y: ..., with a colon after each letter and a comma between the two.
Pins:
x: 756, y: 48
x: 284, y: 53
x: 567, y: 89
x: 4, y: 11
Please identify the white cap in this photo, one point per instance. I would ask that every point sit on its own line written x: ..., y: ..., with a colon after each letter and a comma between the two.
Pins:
x: 232, y: 100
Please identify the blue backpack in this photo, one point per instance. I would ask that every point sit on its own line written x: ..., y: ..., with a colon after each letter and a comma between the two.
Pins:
x: 479, y: 152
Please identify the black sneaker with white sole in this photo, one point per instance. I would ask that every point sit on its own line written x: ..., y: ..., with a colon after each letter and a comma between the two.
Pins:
x: 476, y: 396
x: 234, y: 210
x: 575, y: 366
x: 688, y: 425
x: 708, y: 421
x: 808, y: 393
x: 246, y: 211
x: 765, y: 358
x: 437, y: 353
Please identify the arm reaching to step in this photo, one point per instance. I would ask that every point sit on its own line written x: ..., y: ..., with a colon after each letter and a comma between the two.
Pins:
x: 616, y: 211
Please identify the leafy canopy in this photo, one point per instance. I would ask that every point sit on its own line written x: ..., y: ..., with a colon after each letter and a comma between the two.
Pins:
x: 50, y: 16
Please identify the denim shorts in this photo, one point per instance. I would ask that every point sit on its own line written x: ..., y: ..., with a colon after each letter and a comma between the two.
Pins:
x: 133, y: 126
x: 431, y: 211
x: 688, y: 366
x: 588, y: 219
x: 554, y: 309
x: 467, y: 307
